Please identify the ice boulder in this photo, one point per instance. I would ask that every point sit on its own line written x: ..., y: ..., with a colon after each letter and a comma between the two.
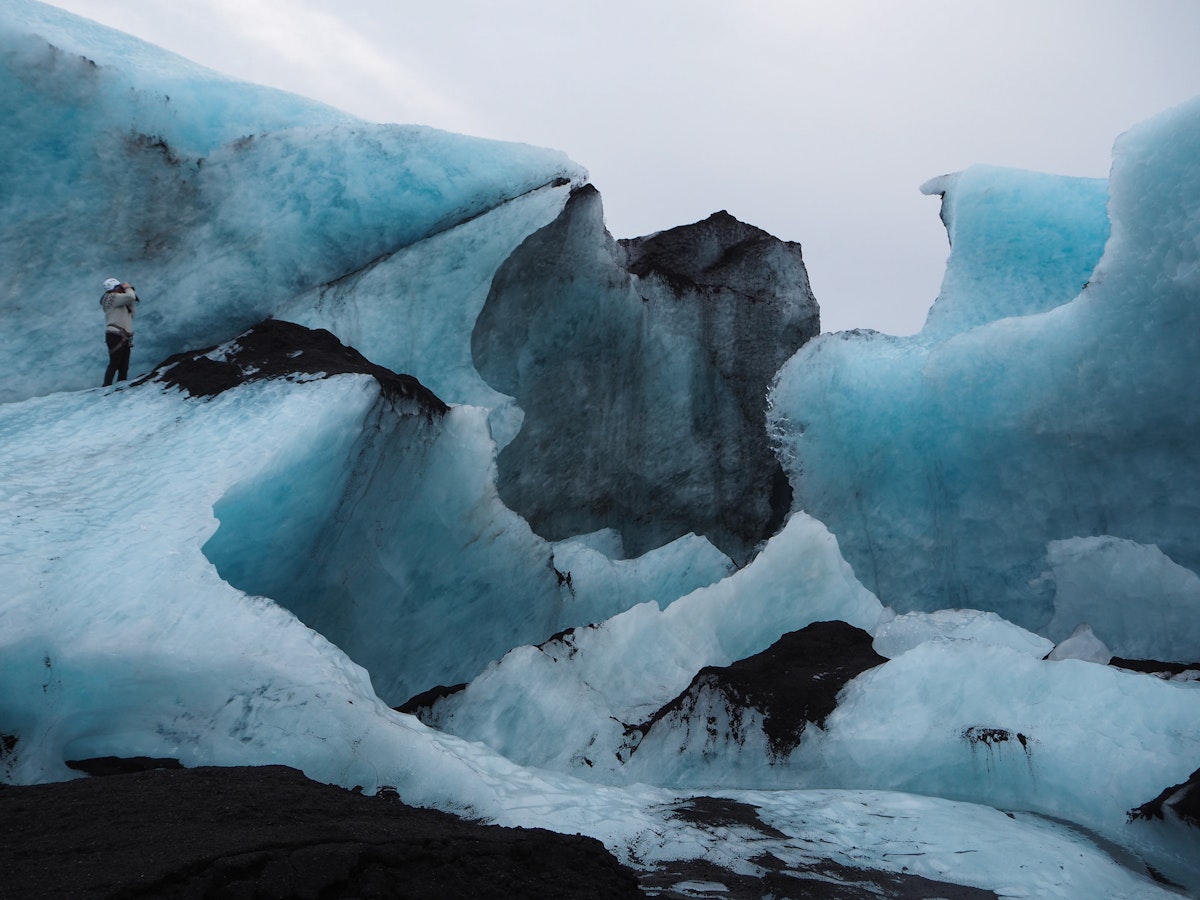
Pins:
x: 1082, y: 644
x: 904, y: 632
x: 584, y: 691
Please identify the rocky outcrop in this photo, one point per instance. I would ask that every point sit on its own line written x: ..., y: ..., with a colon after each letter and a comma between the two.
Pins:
x: 780, y: 691
x: 642, y: 367
x: 1182, y: 801
x: 277, y: 349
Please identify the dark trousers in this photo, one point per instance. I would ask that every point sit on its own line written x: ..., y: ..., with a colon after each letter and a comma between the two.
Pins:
x: 118, y: 356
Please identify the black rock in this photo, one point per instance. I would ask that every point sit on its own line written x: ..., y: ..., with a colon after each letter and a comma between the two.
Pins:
x: 793, y: 682
x: 121, y: 765
x: 277, y: 349
x: 421, y: 704
x: 270, y: 832
x: 1159, y: 668
x: 1181, y: 799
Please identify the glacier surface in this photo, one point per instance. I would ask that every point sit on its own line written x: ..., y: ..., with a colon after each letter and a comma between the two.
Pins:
x: 258, y: 550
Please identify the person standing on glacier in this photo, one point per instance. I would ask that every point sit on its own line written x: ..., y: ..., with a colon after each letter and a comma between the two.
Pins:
x: 118, y: 303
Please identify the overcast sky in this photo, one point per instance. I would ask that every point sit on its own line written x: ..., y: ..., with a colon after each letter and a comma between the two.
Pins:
x: 814, y: 119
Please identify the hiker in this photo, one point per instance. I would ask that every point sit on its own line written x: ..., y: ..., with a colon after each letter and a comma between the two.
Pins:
x: 118, y: 303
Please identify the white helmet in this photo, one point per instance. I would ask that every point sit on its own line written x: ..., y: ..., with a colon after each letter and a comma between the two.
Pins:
x: 111, y: 284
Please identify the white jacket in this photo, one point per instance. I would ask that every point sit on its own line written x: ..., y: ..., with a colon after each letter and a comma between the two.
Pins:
x: 118, y: 308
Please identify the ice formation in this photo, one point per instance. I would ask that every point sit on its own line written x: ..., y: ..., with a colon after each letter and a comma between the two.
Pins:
x: 228, y: 200
x: 675, y: 337
x: 257, y: 552
x: 969, y: 451
x: 1139, y: 602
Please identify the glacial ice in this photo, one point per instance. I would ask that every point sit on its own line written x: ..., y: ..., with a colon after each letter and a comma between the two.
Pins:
x: 641, y: 367
x: 254, y: 577
x: 579, y: 691
x: 227, y: 200
x: 1082, y: 644
x: 1139, y: 602
x: 1021, y: 243
x: 181, y: 664
x: 900, y: 634
x: 970, y: 451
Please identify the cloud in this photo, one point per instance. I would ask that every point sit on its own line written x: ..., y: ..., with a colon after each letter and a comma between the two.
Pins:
x: 291, y: 45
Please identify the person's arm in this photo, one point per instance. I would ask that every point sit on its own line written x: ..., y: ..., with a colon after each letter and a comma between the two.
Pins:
x: 127, y: 297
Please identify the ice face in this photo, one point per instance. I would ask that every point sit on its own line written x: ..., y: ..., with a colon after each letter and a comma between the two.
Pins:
x: 1001, y: 728
x: 389, y: 539
x: 902, y: 633
x: 413, y: 310
x: 946, y: 462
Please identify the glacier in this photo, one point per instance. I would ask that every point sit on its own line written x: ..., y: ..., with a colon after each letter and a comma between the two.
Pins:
x: 425, y: 482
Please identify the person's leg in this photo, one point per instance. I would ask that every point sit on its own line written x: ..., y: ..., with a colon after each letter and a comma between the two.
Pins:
x: 111, y: 341
x: 118, y: 357
x: 123, y: 361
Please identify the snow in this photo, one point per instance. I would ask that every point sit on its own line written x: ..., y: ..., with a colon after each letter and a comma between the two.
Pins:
x: 259, y: 576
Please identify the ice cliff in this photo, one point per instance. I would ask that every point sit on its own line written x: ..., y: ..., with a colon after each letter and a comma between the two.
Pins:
x: 639, y: 554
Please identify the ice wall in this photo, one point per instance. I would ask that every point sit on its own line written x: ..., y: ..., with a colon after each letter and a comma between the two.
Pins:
x: 220, y: 201
x: 1140, y: 603
x: 946, y: 462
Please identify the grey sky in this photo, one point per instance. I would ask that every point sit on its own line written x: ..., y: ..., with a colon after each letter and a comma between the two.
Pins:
x: 814, y: 120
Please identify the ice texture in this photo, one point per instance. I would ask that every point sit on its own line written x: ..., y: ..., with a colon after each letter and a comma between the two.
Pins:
x: 389, y: 540
x: 221, y: 201
x: 1021, y: 243
x: 946, y: 462
x: 1140, y: 603
x: 901, y: 633
x: 579, y: 691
